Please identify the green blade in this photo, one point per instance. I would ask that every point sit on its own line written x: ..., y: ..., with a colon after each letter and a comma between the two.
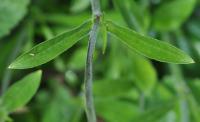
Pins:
x: 21, y: 92
x: 149, y: 47
x: 48, y: 50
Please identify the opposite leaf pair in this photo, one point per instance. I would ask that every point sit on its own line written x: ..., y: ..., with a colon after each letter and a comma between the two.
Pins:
x: 149, y: 47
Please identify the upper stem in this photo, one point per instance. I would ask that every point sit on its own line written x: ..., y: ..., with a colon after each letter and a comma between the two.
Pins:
x: 90, y: 109
x: 96, y: 9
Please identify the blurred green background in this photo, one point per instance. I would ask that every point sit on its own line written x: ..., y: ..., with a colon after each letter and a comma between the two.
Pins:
x: 127, y: 87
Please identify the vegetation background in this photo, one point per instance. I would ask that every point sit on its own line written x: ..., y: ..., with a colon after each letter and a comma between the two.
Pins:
x: 127, y: 87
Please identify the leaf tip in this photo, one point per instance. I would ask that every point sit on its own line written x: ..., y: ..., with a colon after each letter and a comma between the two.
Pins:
x: 192, y: 61
x: 39, y: 72
x: 10, y: 66
x: 189, y: 60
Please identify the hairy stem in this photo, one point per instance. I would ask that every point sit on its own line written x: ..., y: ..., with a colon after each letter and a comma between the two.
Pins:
x: 90, y: 110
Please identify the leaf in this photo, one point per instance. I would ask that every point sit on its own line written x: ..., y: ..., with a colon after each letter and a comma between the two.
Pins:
x: 77, y: 61
x: 7, y: 48
x: 195, y: 88
x: 149, y: 47
x: 48, y: 50
x: 112, y: 88
x: 175, y: 14
x: 134, y: 14
x: 61, y: 107
x: 146, y: 82
x: 3, y: 115
x: 112, y: 110
x: 102, y: 33
x: 154, y: 114
x: 103, y: 36
x: 21, y: 92
x: 11, y: 12
x: 194, y: 28
x: 65, y: 20
x: 79, y: 5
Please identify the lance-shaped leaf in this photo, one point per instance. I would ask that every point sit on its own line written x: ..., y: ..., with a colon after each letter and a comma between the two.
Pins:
x: 149, y: 47
x: 21, y: 92
x: 50, y: 49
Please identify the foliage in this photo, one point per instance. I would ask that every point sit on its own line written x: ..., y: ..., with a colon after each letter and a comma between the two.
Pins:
x: 131, y: 80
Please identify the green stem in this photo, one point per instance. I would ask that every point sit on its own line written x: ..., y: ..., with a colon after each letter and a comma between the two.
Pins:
x: 90, y: 109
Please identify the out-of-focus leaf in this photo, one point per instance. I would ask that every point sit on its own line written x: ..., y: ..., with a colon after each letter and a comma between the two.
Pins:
x: 63, y: 19
x: 71, y: 78
x: 47, y: 32
x: 134, y: 14
x: 79, y: 5
x: 195, y: 89
x: 172, y: 14
x: 50, y: 49
x: 104, y: 4
x: 112, y: 110
x: 194, y: 28
x: 7, y: 48
x: 197, y: 47
x: 194, y: 107
x: 21, y: 92
x: 11, y: 12
x: 62, y: 107
x: 112, y: 88
x: 103, y: 36
x: 169, y: 117
x: 30, y: 36
x: 3, y: 114
x: 77, y: 61
x: 155, y: 114
x: 71, y: 20
x: 163, y: 92
x: 17, y: 43
x: 144, y: 82
x: 149, y: 47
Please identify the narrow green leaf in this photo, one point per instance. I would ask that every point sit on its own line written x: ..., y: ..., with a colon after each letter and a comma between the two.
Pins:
x: 149, y: 47
x: 103, y: 35
x: 21, y: 92
x: 48, y: 50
